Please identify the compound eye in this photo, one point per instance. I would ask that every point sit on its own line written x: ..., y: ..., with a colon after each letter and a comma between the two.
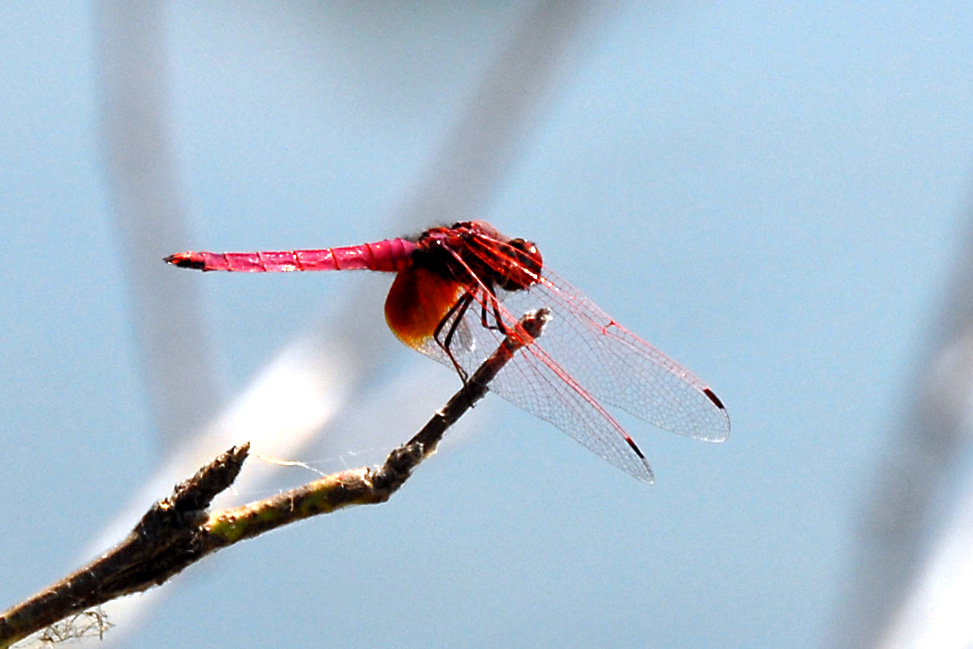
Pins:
x: 523, y: 245
x: 528, y: 265
x: 529, y: 250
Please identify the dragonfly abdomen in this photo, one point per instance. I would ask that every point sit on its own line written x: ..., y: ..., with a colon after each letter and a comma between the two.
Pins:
x: 391, y: 255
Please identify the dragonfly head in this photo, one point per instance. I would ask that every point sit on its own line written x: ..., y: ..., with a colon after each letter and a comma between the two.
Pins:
x: 525, y: 267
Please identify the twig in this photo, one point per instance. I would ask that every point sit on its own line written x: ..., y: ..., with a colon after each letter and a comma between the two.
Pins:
x: 178, y: 531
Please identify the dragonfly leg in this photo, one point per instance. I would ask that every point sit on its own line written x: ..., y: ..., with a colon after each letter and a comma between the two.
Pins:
x: 497, y: 319
x: 451, y: 322
x: 453, y: 318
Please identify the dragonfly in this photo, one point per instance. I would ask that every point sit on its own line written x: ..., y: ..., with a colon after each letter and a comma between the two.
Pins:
x: 459, y: 290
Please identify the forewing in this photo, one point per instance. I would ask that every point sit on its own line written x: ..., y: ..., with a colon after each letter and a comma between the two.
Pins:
x: 621, y: 369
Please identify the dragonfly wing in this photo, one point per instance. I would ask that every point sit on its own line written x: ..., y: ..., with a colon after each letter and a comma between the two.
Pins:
x: 609, y: 362
x: 621, y: 369
x: 582, y: 359
x: 536, y: 383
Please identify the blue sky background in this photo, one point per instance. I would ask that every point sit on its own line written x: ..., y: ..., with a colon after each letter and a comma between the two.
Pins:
x: 773, y: 195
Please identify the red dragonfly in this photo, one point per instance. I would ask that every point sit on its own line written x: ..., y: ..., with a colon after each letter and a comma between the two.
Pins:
x: 459, y: 290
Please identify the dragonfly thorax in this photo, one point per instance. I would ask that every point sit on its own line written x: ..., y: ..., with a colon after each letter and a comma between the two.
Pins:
x: 474, y: 252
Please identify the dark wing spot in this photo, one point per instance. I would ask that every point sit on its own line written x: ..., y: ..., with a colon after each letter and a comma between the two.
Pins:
x: 635, y: 448
x: 715, y: 399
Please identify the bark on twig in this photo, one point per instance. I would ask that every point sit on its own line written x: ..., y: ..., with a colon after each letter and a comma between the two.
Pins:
x: 179, y: 531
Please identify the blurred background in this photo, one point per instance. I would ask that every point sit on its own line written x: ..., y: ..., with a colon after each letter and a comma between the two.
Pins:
x: 778, y: 197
